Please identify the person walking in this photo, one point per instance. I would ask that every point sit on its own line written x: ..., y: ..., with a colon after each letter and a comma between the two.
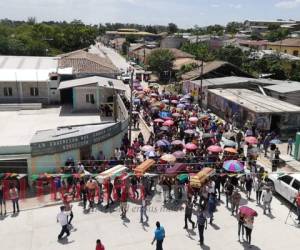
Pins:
x: 228, y: 191
x: 144, y: 209
x: 248, y: 228
x: 62, y: 218
x: 123, y: 202
x: 257, y: 186
x: 290, y: 146
x: 68, y: 207
x: 241, y: 228
x: 188, y: 214
x: 202, y: 224
x: 235, y: 201
x: 14, y: 196
x: 248, y: 185
x: 211, y: 207
x: 99, y: 245
x: 159, y: 236
x: 267, y: 199
x: 2, y: 199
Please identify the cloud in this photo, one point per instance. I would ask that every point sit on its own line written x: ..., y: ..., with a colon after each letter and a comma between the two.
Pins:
x: 288, y: 4
x: 235, y: 6
x: 215, y: 5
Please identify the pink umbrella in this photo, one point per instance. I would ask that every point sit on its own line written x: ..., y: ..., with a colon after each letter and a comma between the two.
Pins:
x: 191, y: 146
x: 167, y: 118
x: 214, y: 149
x: 147, y: 148
x: 251, y: 140
x: 174, y: 101
x: 158, y: 120
x: 168, y: 123
x: 179, y: 154
x: 177, y: 142
x: 193, y: 119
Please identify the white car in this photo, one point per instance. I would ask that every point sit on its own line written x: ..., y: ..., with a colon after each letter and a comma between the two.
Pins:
x: 287, y: 185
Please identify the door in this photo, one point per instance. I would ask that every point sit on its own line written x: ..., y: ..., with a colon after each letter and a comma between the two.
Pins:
x: 284, y: 186
x: 275, y: 123
x: 85, y: 153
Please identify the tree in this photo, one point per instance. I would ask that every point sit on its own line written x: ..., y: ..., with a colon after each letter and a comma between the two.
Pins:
x: 233, y: 27
x: 161, y: 61
x: 278, y: 72
x: 231, y: 54
x: 199, y: 50
x: 172, y: 28
x: 277, y: 34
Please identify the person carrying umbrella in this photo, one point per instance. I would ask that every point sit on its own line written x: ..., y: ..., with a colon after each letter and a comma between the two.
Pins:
x: 248, y: 224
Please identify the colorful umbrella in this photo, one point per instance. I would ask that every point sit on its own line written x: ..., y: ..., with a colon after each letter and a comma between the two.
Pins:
x: 214, y: 149
x: 230, y: 150
x: 168, y: 158
x: 189, y: 131
x: 168, y: 123
x: 275, y: 141
x: 158, y: 120
x: 207, y: 135
x: 176, y: 115
x: 165, y: 101
x: 167, y: 118
x: 179, y: 154
x: 147, y: 148
x: 164, y: 128
x: 181, y: 106
x: 233, y: 166
x: 228, y: 143
x: 177, y: 142
x: 150, y: 153
x: 251, y: 140
x: 191, y: 146
x: 248, y: 211
x: 174, y: 101
x: 193, y: 119
x: 162, y: 143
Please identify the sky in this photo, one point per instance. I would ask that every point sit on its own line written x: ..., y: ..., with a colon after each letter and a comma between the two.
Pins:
x: 185, y: 13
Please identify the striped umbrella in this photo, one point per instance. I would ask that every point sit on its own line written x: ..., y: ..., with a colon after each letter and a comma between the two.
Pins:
x: 233, y: 166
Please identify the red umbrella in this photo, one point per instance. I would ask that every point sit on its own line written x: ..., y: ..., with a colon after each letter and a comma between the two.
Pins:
x: 168, y: 123
x: 158, y: 120
x: 191, y: 146
x: 247, y: 211
x: 251, y: 140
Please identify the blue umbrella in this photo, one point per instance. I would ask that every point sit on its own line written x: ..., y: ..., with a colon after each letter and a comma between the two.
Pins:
x: 275, y: 141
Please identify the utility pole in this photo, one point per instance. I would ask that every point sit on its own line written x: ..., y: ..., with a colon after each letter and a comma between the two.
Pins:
x: 201, y: 87
x: 130, y: 109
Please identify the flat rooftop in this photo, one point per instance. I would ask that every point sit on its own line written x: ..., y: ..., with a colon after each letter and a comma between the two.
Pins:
x: 18, y: 127
x: 256, y: 102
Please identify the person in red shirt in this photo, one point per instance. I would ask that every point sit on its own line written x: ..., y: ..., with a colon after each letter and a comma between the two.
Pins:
x: 99, y: 245
x: 123, y: 202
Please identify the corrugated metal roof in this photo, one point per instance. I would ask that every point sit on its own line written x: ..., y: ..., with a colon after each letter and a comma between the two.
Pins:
x: 100, y: 81
x: 255, y: 101
x: 25, y: 75
x: 28, y: 62
x: 285, y: 87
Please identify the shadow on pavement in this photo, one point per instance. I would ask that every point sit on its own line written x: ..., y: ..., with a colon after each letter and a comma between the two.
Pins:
x: 65, y: 241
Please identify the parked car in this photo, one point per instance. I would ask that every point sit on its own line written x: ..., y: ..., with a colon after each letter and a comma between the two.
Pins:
x: 287, y: 185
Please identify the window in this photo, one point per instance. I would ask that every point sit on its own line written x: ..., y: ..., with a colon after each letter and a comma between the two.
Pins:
x: 287, y: 179
x: 296, y: 184
x: 7, y: 91
x: 296, y: 53
x: 34, y: 91
x: 90, y: 98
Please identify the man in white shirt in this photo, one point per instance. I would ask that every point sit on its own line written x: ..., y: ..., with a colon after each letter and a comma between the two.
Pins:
x: 267, y: 198
x: 211, y: 187
x: 62, y: 218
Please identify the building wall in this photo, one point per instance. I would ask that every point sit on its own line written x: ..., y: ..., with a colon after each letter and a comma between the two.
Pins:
x: 21, y: 92
x: 79, y: 99
x: 285, y: 49
x: 172, y: 42
x: 52, y: 163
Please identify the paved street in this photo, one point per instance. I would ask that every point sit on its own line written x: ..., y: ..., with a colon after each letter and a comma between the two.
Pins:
x: 37, y: 230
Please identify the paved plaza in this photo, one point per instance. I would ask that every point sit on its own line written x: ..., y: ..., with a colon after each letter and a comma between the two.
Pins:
x: 37, y: 229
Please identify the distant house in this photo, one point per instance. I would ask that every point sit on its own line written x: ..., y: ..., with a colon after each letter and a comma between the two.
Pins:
x: 289, y: 46
x: 215, y: 69
x: 253, y: 44
x: 117, y: 43
x: 84, y: 64
x: 146, y: 36
x: 172, y: 42
x: 138, y: 52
